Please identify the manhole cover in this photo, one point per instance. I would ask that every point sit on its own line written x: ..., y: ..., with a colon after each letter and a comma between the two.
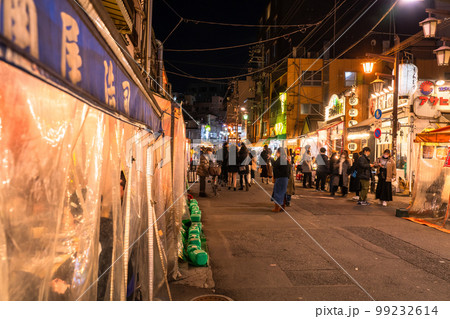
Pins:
x: 212, y: 298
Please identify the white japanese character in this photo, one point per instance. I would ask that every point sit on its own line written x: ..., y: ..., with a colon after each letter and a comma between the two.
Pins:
x: 70, y: 50
x: 110, y: 89
x: 126, y: 95
x: 20, y: 24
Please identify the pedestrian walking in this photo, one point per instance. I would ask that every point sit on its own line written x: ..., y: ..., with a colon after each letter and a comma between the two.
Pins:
x: 224, y: 164
x: 364, y: 174
x: 386, y: 174
x: 340, y: 174
x: 355, y: 185
x: 264, y: 164
x: 291, y: 183
x: 322, y: 171
x: 253, y: 167
x: 270, y: 163
x: 281, y: 178
x: 307, y: 167
x: 203, y: 170
x: 233, y: 167
x: 243, y: 161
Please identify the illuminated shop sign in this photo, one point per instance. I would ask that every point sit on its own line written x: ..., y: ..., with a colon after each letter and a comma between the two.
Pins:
x: 335, y: 108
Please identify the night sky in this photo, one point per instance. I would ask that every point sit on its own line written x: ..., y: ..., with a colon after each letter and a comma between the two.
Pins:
x: 233, y: 62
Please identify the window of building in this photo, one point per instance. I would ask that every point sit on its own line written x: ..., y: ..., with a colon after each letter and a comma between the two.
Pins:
x: 350, y: 78
x: 309, y: 109
x: 312, y: 78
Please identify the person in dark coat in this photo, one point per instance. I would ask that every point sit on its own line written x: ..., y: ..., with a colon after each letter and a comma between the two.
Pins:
x: 340, y: 174
x: 281, y: 176
x: 264, y: 164
x: 355, y: 185
x: 364, y: 174
x: 323, y: 164
x: 333, y: 169
x: 386, y: 174
x: 243, y: 161
x: 223, y: 159
x: 233, y: 167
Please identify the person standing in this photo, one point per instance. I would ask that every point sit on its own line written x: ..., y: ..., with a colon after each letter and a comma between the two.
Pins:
x: 364, y: 173
x: 340, y: 174
x: 291, y: 183
x: 203, y: 170
x: 232, y: 166
x: 270, y: 163
x: 355, y: 185
x: 264, y: 164
x: 243, y: 161
x: 224, y: 174
x: 281, y: 178
x: 254, y: 167
x: 323, y: 164
x: 386, y: 174
x: 307, y: 168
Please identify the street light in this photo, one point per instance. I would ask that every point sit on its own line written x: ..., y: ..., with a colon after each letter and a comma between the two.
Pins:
x: 368, y: 66
x: 429, y: 26
x: 442, y: 55
x: 377, y: 85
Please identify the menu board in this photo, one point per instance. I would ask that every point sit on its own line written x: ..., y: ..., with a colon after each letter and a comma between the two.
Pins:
x: 428, y: 152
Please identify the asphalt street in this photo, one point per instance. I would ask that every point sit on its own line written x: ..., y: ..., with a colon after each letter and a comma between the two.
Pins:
x: 321, y: 248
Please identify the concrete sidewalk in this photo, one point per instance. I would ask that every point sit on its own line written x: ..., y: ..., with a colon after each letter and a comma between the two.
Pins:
x: 323, y: 248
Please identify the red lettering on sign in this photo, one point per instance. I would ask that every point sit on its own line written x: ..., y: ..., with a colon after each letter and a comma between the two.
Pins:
x: 423, y: 100
x: 443, y: 101
x: 433, y: 100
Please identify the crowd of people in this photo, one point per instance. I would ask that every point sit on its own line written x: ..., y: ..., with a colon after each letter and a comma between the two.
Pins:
x: 339, y: 171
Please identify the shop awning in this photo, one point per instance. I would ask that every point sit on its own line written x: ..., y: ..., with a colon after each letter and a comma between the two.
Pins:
x: 327, y: 126
x: 440, y: 135
x: 66, y: 49
x: 363, y: 125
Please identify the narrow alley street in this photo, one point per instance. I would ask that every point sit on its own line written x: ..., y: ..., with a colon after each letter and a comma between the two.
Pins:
x: 260, y: 255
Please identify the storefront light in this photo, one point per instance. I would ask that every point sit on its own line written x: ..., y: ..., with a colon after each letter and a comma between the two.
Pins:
x: 377, y: 94
x: 386, y: 90
x: 373, y: 96
x: 368, y: 66
x: 390, y: 88
x: 429, y: 26
x: 442, y: 55
x: 358, y: 136
x: 440, y: 82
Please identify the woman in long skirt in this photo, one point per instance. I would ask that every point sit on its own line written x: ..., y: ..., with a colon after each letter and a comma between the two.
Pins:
x: 281, y: 176
x: 386, y: 174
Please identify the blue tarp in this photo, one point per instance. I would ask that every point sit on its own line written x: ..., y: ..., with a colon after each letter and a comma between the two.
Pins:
x: 56, y: 34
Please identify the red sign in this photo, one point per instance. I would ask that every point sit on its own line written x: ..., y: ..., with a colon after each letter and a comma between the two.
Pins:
x: 447, y: 161
x: 434, y: 100
x: 377, y: 133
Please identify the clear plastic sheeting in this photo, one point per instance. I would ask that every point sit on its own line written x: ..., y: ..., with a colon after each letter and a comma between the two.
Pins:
x: 74, y: 212
x: 432, y: 185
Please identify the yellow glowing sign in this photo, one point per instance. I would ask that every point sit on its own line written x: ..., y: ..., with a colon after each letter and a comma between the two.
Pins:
x: 283, y: 101
x: 279, y: 128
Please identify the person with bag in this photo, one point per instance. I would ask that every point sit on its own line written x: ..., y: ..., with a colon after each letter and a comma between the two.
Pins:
x: 307, y: 167
x: 281, y: 178
x: 203, y: 170
x: 243, y: 161
x: 364, y: 174
x: 322, y: 172
x: 355, y: 185
x: 386, y: 175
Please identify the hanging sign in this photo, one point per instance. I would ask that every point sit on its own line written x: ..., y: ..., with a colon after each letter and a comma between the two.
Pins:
x: 377, y: 133
x: 353, y: 101
x: 353, y: 112
x: 352, y: 123
x: 352, y: 147
x: 407, y: 79
x: 378, y: 114
x: 335, y: 108
x: 72, y: 53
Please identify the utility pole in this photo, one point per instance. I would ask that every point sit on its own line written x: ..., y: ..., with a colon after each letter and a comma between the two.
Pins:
x: 395, y: 102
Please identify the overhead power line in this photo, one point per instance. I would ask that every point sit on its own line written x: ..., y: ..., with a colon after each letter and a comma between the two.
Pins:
x: 236, y: 46
x: 284, y: 26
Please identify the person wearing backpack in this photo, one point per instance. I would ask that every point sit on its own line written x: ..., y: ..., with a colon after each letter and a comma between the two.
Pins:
x: 355, y: 185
